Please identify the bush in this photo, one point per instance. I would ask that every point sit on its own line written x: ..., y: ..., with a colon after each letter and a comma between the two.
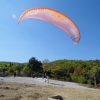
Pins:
x: 90, y: 82
x: 79, y: 79
x: 69, y: 79
x: 74, y: 78
x: 10, y: 70
x: 82, y: 79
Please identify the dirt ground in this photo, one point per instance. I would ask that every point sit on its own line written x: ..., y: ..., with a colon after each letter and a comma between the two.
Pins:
x: 19, y: 91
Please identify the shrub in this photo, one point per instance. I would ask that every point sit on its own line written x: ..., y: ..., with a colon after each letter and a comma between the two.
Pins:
x: 74, y: 78
x: 82, y: 79
x: 90, y: 82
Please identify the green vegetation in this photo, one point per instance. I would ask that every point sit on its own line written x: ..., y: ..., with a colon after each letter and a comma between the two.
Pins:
x: 23, y: 69
x: 86, y: 72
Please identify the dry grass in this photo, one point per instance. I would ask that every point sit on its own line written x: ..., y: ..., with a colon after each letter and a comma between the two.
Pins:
x: 17, y: 91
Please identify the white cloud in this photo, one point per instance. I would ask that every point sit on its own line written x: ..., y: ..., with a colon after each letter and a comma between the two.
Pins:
x: 13, y: 16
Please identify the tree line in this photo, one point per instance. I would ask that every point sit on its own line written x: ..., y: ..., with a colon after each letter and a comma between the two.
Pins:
x: 80, y: 71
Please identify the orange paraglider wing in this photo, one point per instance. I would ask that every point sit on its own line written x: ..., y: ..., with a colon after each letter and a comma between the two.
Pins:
x: 55, y: 17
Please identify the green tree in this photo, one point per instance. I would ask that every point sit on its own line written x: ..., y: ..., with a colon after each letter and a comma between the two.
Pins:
x: 34, y: 65
x: 62, y: 73
x: 18, y: 67
x: 95, y: 74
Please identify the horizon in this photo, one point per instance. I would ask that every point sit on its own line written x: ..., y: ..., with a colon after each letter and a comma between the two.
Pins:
x: 49, y: 61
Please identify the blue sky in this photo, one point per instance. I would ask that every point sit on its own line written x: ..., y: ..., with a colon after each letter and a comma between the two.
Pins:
x: 43, y: 40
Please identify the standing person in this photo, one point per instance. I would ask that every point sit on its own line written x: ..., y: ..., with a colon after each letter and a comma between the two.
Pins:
x: 48, y: 75
x: 14, y: 74
x: 45, y: 74
x: 4, y: 71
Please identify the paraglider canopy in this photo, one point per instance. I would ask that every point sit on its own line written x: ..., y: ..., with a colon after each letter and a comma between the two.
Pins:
x: 55, y: 17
